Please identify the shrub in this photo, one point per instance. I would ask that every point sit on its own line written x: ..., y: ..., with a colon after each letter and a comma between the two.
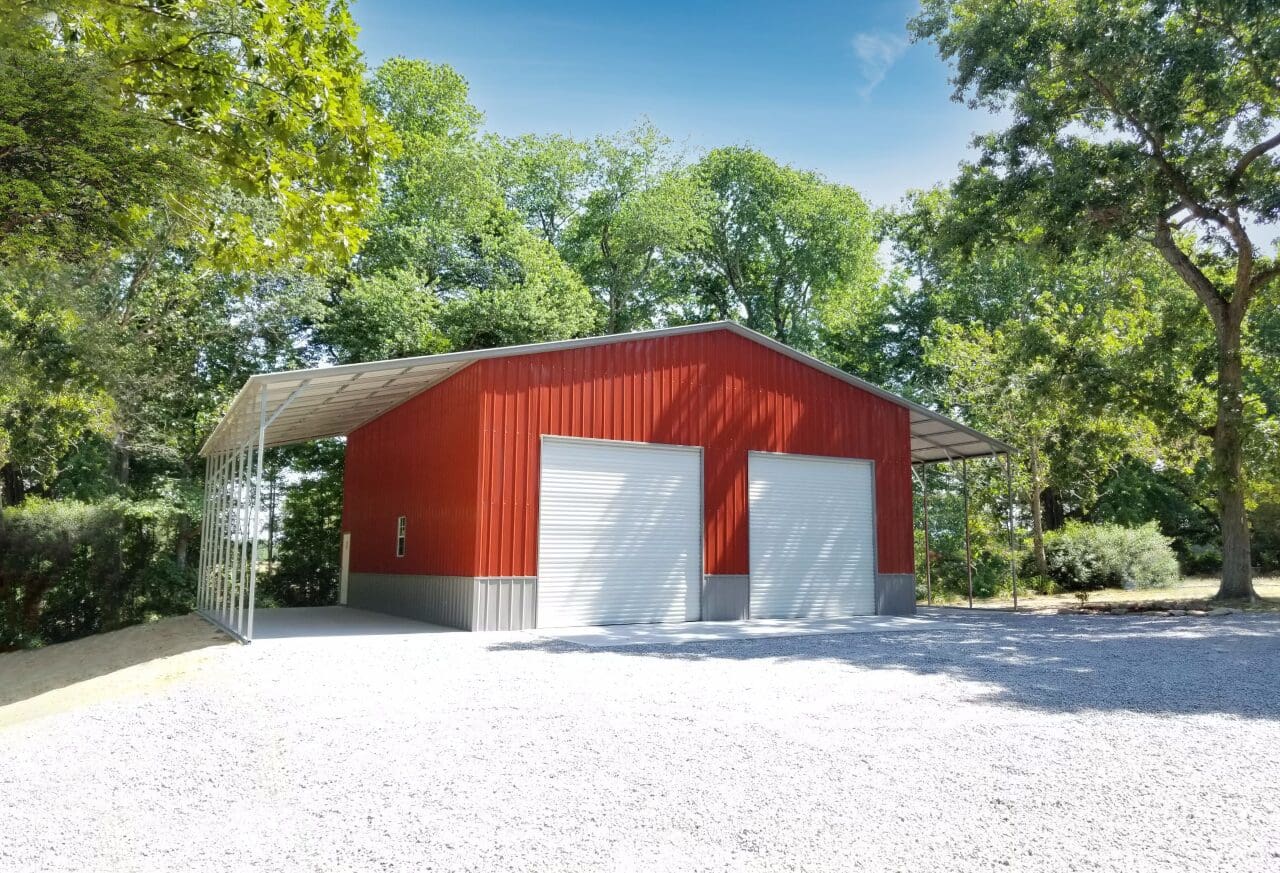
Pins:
x: 1089, y: 557
x: 69, y: 568
x: 1039, y: 584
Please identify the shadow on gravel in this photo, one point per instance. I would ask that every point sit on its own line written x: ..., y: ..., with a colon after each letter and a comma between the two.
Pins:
x: 1054, y: 663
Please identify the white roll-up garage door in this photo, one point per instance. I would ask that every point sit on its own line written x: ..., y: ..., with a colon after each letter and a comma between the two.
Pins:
x: 812, y: 528
x: 619, y: 533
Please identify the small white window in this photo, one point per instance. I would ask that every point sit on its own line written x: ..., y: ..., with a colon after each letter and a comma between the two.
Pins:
x: 400, y: 528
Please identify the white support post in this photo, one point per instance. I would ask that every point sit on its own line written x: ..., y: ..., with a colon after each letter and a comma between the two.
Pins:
x: 242, y: 556
x: 213, y: 546
x: 215, y: 570
x: 928, y: 557
x: 1013, y: 535
x: 233, y: 513
x: 968, y: 547
x: 224, y: 537
x: 228, y: 581
x: 233, y: 528
x: 257, y: 507
x: 237, y: 547
x: 204, y: 533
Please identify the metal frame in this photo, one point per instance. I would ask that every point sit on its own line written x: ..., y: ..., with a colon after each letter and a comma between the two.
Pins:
x: 968, y: 548
x: 333, y: 401
x: 231, y: 527
x: 337, y: 400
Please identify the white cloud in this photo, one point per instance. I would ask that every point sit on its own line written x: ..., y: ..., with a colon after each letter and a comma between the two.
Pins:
x: 876, y: 54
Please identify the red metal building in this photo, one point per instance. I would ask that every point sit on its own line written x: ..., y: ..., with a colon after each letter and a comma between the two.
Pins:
x: 460, y: 463
x: 701, y: 472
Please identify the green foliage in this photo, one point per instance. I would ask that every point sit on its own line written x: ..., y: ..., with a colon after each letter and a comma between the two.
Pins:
x: 391, y: 314
x: 68, y: 568
x: 78, y: 169
x: 637, y: 209
x: 448, y: 264
x: 1121, y: 110
x: 782, y: 249
x: 1134, y: 120
x: 49, y: 395
x: 544, y: 178
x: 1266, y: 528
x: 535, y: 297
x: 264, y: 95
x: 988, y: 535
x: 1090, y: 557
x: 440, y: 185
x: 1178, y: 501
x: 306, y: 570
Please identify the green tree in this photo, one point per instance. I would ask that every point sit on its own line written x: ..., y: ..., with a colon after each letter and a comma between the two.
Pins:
x: 263, y: 96
x: 782, y: 249
x: 441, y: 185
x: 50, y: 394
x: 390, y: 314
x: 448, y: 264
x: 1144, y: 120
x: 634, y: 213
x: 521, y: 291
x: 306, y: 567
x: 77, y: 168
x: 1044, y: 382
x: 545, y: 179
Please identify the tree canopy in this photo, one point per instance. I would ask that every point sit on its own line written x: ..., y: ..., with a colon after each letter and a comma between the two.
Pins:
x: 1134, y: 120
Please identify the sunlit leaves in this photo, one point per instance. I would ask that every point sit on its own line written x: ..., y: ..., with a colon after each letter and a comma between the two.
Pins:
x: 264, y: 94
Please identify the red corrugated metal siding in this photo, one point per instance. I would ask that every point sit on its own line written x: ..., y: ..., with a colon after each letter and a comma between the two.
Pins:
x: 420, y: 460
x: 715, y: 389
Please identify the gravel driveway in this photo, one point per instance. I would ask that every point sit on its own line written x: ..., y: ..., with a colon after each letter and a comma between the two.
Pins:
x: 1029, y: 742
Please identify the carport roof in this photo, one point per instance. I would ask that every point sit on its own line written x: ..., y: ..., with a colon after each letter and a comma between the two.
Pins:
x: 301, y: 405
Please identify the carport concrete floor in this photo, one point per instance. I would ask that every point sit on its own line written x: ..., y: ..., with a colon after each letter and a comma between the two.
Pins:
x: 961, y: 743
x: 333, y: 621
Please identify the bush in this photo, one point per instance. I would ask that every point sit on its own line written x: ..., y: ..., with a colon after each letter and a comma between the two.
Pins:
x: 1089, y: 557
x: 68, y: 568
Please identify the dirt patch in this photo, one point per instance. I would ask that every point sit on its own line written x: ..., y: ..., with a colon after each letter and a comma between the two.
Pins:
x: 38, y: 682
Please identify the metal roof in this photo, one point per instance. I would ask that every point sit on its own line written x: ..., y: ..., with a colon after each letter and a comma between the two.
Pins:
x: 303, y: 405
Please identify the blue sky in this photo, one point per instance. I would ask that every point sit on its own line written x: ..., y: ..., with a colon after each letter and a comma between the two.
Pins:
x: 828, y: 86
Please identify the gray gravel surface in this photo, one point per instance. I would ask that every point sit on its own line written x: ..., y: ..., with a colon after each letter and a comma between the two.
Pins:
x: 991, y: 742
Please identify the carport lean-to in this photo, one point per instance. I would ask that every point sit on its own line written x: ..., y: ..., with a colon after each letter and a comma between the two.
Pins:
x: 524, y: 437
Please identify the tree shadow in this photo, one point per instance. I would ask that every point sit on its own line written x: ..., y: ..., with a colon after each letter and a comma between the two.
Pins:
x: 1151, y: 665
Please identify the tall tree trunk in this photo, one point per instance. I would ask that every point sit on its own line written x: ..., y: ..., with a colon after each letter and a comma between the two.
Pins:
x: 1051, y: 504
x: 123, y: 460
x: 12, y: 488
x: 1228, y: 460
x: 615, y: 309
x: 1037, y: 515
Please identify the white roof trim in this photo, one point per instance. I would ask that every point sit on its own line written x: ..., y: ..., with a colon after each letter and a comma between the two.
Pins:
x: 337, y: 400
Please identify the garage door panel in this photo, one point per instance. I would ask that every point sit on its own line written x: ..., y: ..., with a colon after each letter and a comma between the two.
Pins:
x: 812, y: 524
x: 619, y: 538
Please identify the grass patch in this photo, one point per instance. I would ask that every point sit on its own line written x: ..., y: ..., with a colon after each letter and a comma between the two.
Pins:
x: 1192, y: 592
